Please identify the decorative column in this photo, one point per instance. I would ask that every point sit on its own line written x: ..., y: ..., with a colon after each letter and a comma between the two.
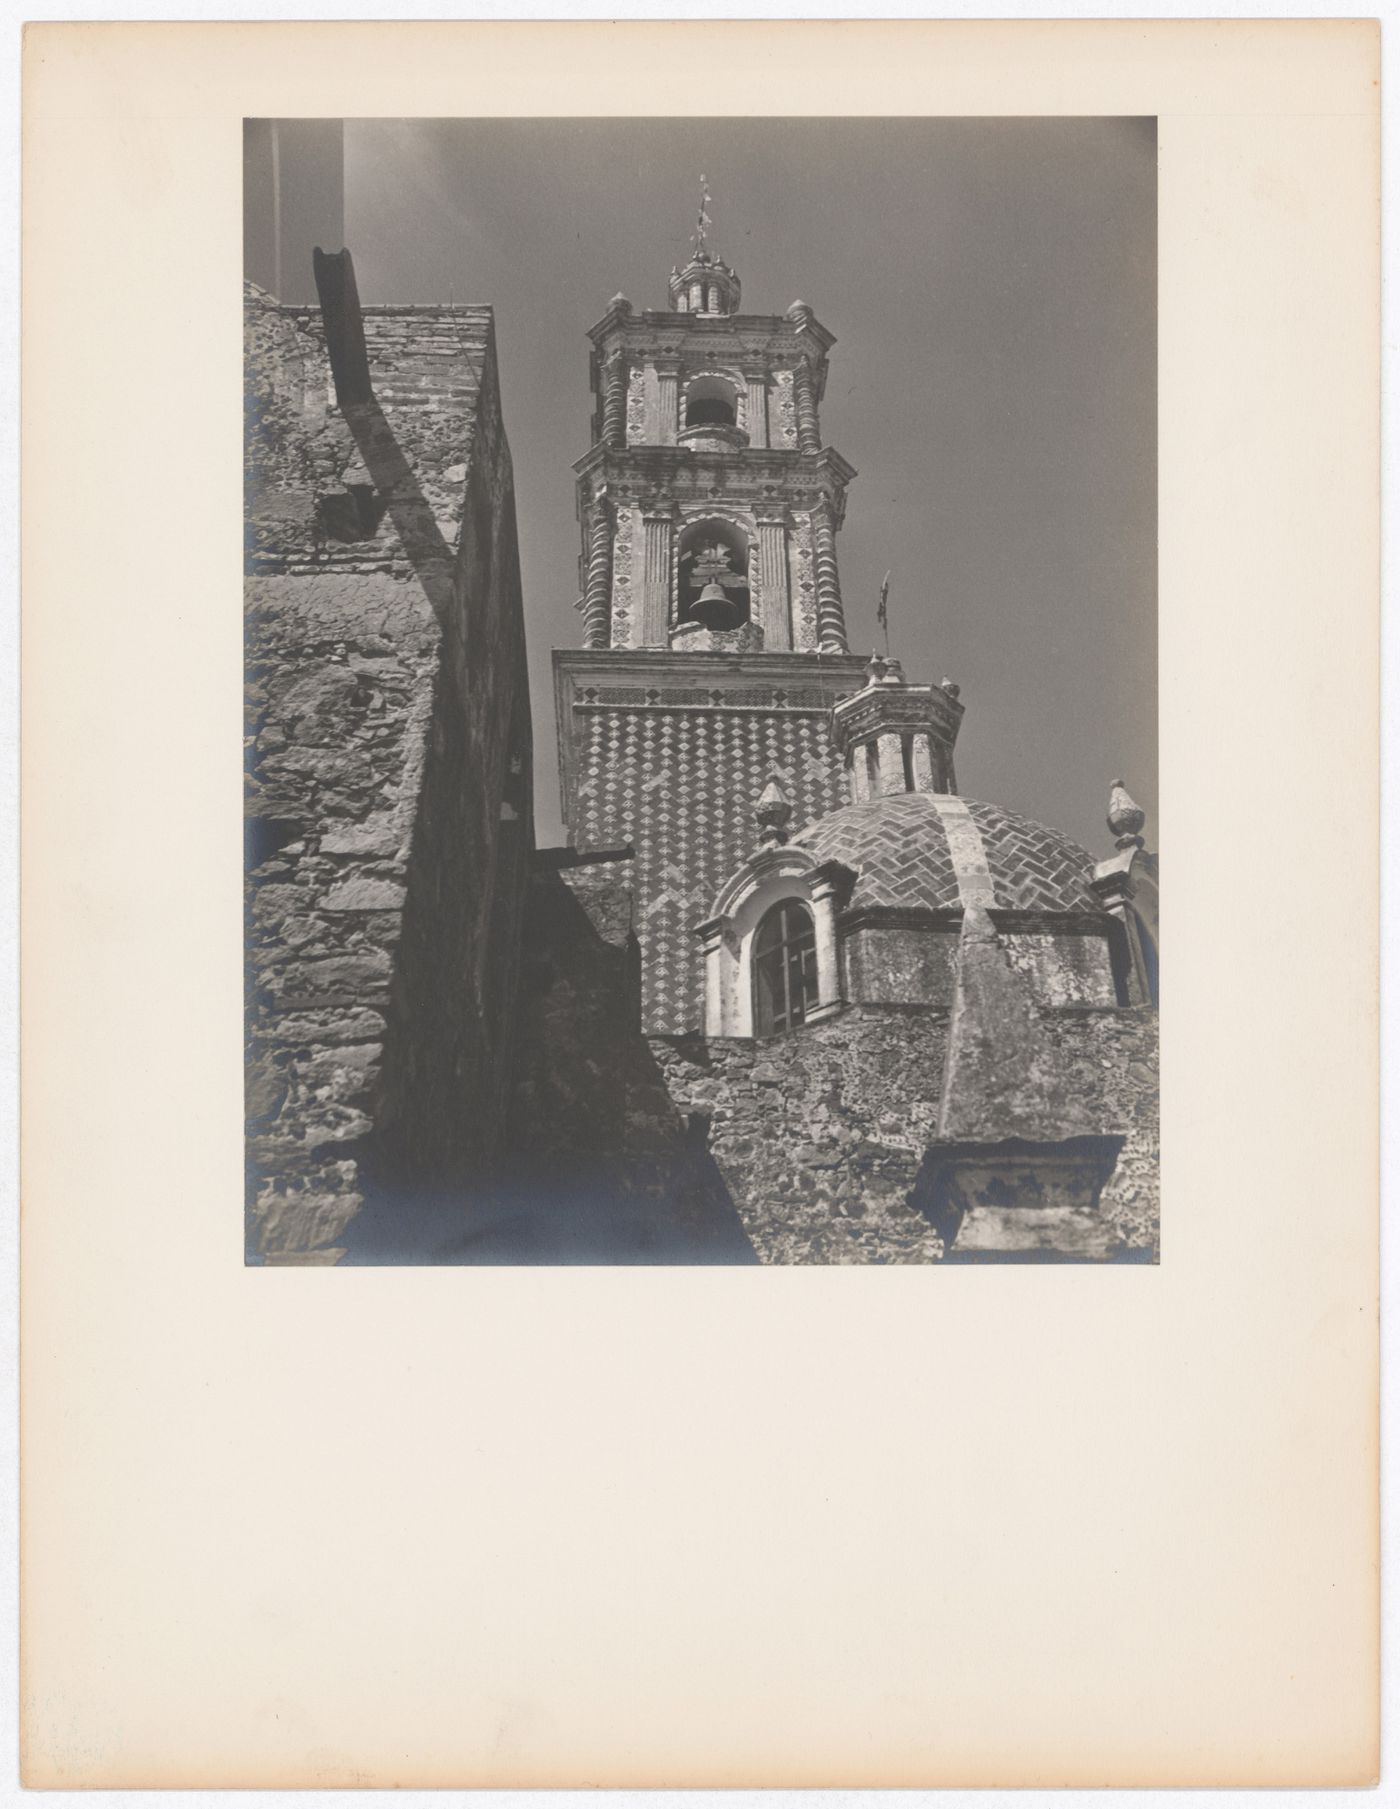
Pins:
x: 657, y: 528
x: 804, y: 395
x: 597, y: 596
x: 615, y: 401
x: 668, y: 410
x: 756, y: 406
x: 711, y: 934
x: 1113, y: 885
x: 891, y: 757
x: 925, y: 770
x: 775, y: 616
x: 831, y: 626
x: 824, y: 891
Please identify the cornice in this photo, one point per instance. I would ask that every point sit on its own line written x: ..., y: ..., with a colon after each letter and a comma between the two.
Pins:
x: 682, y: 470
x: 660, y: 332
x: 895, y: 708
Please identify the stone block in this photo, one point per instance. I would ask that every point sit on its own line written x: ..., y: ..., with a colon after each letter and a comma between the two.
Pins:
x: 1018, y: 1198
x: 364, y: 895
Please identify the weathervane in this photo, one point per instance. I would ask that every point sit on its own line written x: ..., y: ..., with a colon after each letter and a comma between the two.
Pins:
x: 702, y: 218
x: 882, y: 612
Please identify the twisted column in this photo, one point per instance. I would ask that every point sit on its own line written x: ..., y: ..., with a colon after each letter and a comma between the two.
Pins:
x: 615, y: 401
x: 804, y: 395
x: 831, y: 621
x: 597, y: 596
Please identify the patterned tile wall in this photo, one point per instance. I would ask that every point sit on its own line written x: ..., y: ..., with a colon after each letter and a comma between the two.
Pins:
x: 679, y: 782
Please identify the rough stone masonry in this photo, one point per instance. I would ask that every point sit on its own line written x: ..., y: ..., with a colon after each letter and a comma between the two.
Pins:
x: 385, y: 663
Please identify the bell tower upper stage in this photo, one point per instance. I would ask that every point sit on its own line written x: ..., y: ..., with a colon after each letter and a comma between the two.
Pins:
x: 708, y: 504
x: 714, y: 633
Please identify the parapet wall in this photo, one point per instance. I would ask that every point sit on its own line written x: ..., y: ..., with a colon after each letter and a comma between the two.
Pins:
x: 388, y: 764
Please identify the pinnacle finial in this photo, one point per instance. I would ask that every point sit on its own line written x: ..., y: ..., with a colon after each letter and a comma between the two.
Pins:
x: 1125, y: 817
x: 774, y: 813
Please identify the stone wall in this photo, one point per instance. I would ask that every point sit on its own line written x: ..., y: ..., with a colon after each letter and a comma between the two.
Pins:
x: 819, y: 1135
x: 388, y: 764
x: 1110, y: 1059
x: 800, y: 1148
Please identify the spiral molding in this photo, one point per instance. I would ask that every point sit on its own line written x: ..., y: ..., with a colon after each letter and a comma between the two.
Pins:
x: 831, y: 624
x: 615, y: 403
x: 596, y: 596
x: 809, y: 438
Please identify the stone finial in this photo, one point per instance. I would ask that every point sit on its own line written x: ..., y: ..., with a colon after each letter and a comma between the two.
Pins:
x: 947, y: 685
x: 621, y: 303
x: 881, y: 670
x: 1125, y: 818
x: 774, y: 813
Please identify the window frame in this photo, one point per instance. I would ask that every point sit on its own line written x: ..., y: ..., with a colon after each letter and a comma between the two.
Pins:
x: 783, y: 974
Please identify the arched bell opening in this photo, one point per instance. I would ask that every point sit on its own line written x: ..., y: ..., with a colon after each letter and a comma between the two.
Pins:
x: 711, y: 402
x: 714, y: 575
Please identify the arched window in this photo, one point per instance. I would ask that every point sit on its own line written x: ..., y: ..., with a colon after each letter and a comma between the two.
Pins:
x: 710, y: 402
x: 714, y: 575
x: 784, y: 968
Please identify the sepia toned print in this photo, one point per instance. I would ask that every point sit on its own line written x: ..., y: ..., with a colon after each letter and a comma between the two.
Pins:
x: 784, y: 993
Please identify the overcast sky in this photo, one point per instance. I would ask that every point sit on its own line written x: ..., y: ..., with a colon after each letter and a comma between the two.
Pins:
x: 992, y: 286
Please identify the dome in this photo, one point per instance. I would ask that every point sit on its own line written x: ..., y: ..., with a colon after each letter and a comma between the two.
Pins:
x: 900, y: 848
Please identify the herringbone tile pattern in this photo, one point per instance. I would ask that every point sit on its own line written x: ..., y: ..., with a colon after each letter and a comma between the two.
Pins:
x: 898, y: 847
x: 1033, y: 868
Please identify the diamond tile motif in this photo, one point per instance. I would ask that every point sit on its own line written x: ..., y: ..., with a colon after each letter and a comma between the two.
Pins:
x: 680, y: 784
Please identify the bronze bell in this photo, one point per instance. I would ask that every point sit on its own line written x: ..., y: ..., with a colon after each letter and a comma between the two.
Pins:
x: 715, y: 609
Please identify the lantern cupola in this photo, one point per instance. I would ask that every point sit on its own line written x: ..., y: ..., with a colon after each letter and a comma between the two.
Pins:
x: 705, y: 285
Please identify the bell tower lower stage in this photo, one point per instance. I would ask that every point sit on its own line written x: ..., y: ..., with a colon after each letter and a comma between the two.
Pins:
x: 667, y: 752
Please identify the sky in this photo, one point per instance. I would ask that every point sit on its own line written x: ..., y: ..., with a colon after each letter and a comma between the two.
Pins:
x: 992, y: 287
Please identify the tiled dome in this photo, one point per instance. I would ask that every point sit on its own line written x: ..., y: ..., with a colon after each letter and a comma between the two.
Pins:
x: 899, y: 847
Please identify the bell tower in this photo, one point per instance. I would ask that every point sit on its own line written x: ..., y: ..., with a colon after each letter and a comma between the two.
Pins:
x: 713, y: 626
